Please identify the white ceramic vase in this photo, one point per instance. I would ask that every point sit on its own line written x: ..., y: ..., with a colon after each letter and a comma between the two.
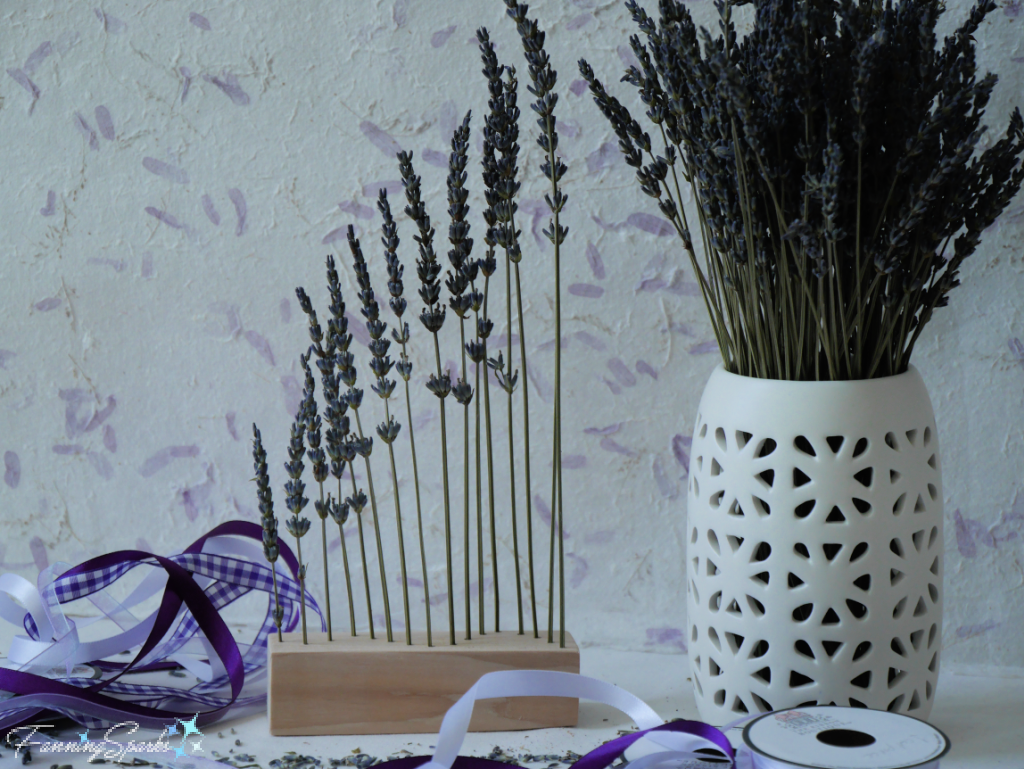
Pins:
x: 814, y: 556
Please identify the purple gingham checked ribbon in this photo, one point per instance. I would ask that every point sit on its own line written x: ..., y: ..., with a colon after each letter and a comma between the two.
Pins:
x: 212, y: 573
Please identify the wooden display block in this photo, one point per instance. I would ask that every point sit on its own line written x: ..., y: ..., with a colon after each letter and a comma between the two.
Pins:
x: 362, y: 686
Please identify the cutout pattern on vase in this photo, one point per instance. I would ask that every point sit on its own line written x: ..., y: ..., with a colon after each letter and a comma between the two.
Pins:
x: 837, y: 603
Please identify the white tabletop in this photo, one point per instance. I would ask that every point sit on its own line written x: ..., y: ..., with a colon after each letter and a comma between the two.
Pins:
x: 981, y: 714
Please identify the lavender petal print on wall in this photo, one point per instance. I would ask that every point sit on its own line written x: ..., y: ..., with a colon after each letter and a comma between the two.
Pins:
x: 162, y: 458
x: 37, y: 57
x: 83, y: 127
x: 238, y: 200
x: 610, y: 444
x: 380, y: 139
x: 334, y: 236
x: 51, y: 303
x: 591, y: 341
x: 25, y: 82
x: 292, y: 394
x: 1017, y: 350
x: 105, y: 123
x: 666, y: 487
x: 101, y: 465
x: 968, y: 533
x: 5, y: 356
x: 643, y: 367
x: 357, y: 210
x: 260, y: 344
x: 400, y: 13
x: 12, y: 469
x: 38, y: 550
x: 435, y: 158
x: 671, y: 637
x: 540, y: 506
x: 111, y: 24
x: 1013, y: 8
x: 196, y: 20
x: 210, y: 210
x: 651, y: 223
x: 616, y: 390
x: 703, y: 348
x: 447, y: 120
x: 595, y: 261
x: 51, y: 204
x: 230, y: 86
x: 186, y: 74
x: 586, y: 290
x: 163, y: 216
x: 609, y: 430
x: 147, y: 265
x: 440, y: 37
x: 109, y: 438
x: 117, y: 264
x: 577, y: 87
x: 621, y: 372
x: 166, y: 170
x: 681, y: 451
x: 579, y: 22
x: 68, y: 449
x: 627, y: 57
x: 229, y: 421
x: 285, y: 308
x: 579, y: 571
x: 573, y: 461
x: 970, y: 631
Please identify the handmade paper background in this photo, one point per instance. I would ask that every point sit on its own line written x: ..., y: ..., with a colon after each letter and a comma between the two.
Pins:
x: 172, y: 170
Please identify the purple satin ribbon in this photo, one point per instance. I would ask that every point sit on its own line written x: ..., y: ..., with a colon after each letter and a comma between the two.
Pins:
x: 87, y: 703
x: 599, y: 758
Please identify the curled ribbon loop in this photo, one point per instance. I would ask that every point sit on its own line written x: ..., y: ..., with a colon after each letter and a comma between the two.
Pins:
x: 185, y: 631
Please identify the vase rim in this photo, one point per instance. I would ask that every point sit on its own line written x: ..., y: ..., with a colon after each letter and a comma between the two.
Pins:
x: 911, y: 372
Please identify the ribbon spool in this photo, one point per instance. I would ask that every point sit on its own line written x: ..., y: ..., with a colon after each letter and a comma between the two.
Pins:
x: 826, y: 737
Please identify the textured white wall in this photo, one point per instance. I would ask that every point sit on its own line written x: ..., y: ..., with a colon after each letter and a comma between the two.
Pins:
x: 172, y: 170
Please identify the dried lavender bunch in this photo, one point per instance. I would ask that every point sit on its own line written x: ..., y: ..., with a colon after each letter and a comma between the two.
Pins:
x: 267, y: 517
x: 365, y: 445
x: 824, y: 256
x: 298, y: 524
x: 404, y: 366
x: 543, y: 81
x: 381, y: 365
x: 432, y: 317
x: 461, y: 302
x: 316, y: 455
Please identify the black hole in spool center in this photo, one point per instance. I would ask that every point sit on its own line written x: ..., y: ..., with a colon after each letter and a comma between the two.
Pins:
x: 845, y: 738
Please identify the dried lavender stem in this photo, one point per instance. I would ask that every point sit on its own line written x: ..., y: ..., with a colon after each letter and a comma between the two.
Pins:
x: 302, y: 588
x: 401, y: 538
x: 526, y: 444
x: 447, y: 505
x: 277, y: 600
x: 362, y: 550
x: 327, y: 582
x: 348, y: 577
x: 490, y: 476
x: 465, y: 484
x: 376, y: 529
x: 479, y: 508
x: 511, y: 443
x: 419, y: 510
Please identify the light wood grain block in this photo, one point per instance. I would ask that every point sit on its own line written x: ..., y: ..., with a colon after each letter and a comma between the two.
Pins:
x: 362, y: 686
